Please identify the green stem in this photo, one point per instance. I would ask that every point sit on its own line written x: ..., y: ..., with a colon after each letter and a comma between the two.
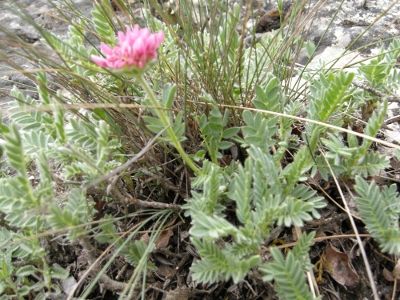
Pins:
x: 166, y: 122
x: 46, y: 273
x: 11, y: 285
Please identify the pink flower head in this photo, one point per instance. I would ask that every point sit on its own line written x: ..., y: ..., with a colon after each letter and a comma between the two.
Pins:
x: 136, y: 48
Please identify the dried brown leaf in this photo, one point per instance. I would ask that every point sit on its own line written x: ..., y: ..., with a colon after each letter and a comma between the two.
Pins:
x: 339, y: 267
x: 163, y: 240
x: 394, y: 163
x: 164, y: 271
x: 145, y: 238
x: 387, y: 275
x: 181, y: 293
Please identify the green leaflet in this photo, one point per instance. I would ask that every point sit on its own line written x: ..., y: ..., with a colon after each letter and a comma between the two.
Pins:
x: 260, y: 203
x: 379, y: 210
x: 353, y: 159
x: 288, y: 273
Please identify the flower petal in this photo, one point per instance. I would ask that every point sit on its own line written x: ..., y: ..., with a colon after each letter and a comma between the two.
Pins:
x: 106, y: 49
x: 137, y: 47
x: 100, y: 61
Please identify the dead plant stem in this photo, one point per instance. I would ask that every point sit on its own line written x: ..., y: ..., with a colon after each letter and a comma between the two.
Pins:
x: 376, y: 92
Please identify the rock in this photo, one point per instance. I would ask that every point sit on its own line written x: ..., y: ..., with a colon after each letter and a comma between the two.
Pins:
x: 21, y: 80
x: 348, y: 29
x: 269, y: 21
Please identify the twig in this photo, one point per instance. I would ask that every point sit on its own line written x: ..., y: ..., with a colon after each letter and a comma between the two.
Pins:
x: 106, y: 281
x: 394, y: 289
x: 138, y: 203
x: 315, y: 240
x: 183, y: 261
x: 164, y: 181
x: 313, y: 284
x: 392, y: 120
x: 376, y: 92
x: 142, y: 204
x: 147, y: 204
x: 125, y: 165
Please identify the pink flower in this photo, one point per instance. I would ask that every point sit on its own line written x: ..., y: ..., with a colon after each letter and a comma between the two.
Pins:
x: 136, y: 48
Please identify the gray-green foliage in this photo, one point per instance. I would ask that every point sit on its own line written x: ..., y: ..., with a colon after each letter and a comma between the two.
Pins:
x: 62, y: 147
x: 214, y: 135
x: 288, y: 272
x: 54, y: 143
x: 380, y: 210
x: 264, y: 195
x: 16, y: 278
x: 378, y: 71
x: 260, y: 190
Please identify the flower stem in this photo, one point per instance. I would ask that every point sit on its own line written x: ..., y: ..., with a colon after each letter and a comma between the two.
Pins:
x: 163, y: 116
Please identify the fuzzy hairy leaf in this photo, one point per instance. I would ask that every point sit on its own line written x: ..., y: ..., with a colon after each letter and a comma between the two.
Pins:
x: 59, y: 125
x: 306, y: 194
x: 37, y: 141
x: 217, y: 265
x: 168, y: 95
x: 102, y: 19
x: 258, y: 131
x: 83, y: 133
x: 42, y: 87
x: 26, y: 271
x: 204, y: 226
x: 24, y: 113
x: 378, y: 212
x: 240, y: 191
x: 76, y: 212
x: 214, y: 260
x: 294, y: 171
x: 208, y: 168
x: 212, y: 131
x: 294, y: 212
x: 213, y: 185
x: 290, y: 280
x: 377, y: 70
x: 260, y: 202
x: 329, y: 95
x: 108, y: 231
x: 267, y: 167
x: 370, y: 165
x: 302, y: 248
x: 269, y: 97
x: 58, y: 272
x: 135, y: 251
x: 355, y: 159
x: 14, y: 151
